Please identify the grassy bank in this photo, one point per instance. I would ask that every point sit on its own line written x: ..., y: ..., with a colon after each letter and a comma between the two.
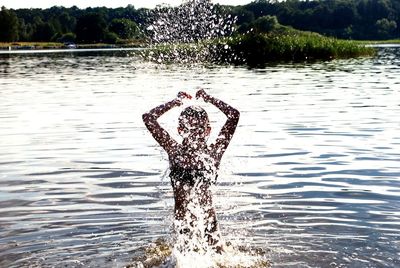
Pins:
x: 256, y: 49
x: 30, y: 45
x: 379, y: 42
x: 253, y: 49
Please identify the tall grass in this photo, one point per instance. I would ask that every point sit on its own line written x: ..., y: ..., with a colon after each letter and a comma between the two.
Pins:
x: 37, y: 45
x: 256, y: 49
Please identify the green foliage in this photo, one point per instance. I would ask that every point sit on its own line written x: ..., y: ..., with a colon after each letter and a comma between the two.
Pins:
x: 67, y: 22
x: 355, y: 19
x: 110, y: 38
x: 124, y: 28
x: 258, y: 49
x: 43, y: 31
x: 24, y: 30
x: 8, y: 25
x: 91, y: 28
x: 265, y: 24
x: 243, y: 15
x: 351, y: 19
x: 385, y: 28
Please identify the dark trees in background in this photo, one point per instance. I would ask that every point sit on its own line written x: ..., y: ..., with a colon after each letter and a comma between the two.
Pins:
x: 8, y: 25
x: 42, y: 31
x: 124, y: 28
x: 62, y: 24
x: 91, y: 28
x: 354, y: 19
x: 67, y: 22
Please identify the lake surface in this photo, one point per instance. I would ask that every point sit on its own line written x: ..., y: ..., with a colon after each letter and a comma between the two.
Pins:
x: 312, y: 175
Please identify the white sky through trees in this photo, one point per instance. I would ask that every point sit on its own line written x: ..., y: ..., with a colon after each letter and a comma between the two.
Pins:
x: 15, y: 4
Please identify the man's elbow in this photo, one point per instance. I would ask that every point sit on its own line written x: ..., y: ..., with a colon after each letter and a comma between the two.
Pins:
x: 147, y: 117
x: 235, y: 114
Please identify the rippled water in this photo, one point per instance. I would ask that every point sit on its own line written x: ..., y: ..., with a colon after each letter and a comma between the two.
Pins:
x: 312, y: 174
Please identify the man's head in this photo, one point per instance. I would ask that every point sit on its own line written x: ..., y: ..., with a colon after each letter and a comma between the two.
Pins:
x: 194, y: 123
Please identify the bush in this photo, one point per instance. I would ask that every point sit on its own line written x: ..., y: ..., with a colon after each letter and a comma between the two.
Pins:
x: 124, y: 28
x: 110, y: 38
x: 67, y: 38
x: 265, y: 24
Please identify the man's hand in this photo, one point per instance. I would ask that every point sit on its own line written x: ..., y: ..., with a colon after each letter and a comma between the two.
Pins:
x: 183, y: 95
x: 202, y: 94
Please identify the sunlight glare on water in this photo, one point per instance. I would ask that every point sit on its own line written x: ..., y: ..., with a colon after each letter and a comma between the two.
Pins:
x: 311, y: 176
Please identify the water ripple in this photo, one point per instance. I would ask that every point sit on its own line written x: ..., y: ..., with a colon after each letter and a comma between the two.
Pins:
x: 312, y: 173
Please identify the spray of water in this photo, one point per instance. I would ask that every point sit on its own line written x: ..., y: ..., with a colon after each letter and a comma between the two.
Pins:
x: 189, y: 33
x: 162, y: 254
x: 193, y: 21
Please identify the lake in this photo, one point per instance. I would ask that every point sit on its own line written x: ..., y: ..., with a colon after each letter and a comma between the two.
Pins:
x: 312, y: 175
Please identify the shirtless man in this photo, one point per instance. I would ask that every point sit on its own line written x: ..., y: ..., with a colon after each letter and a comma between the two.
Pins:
x: 194, y: 163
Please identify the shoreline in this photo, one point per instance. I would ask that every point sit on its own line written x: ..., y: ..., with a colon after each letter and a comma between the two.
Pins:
x: 66, y: 50
x: 15, y: 46
x: 39, y: 46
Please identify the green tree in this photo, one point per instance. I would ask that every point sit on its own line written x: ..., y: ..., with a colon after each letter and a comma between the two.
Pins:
x: 91, y: 28
x: 68, y: 23
x: 265, y: 24
x: 42, y: 31
x: 344, y: 14
x: 385, y: 28
x: 24, y: 30
x: 8, y: 25
x: 244, y: 18
x: 124, y: 28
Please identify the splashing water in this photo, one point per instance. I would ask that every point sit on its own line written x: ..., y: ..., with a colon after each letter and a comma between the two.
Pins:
x: 163, y: 254
x: 192, y: 21
x: 180, y: 34
x: 191, y: 248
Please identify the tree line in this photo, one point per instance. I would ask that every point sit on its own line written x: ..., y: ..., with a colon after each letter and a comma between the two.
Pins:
x: 350, y: 19
x: 60, y: 24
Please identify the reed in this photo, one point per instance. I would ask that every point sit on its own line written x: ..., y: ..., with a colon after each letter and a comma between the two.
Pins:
x: 258, y: 49
x: 30, y: 45
x: 56, y: 45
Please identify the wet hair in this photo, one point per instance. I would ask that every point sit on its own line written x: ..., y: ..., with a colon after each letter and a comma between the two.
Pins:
x: 198, y: 114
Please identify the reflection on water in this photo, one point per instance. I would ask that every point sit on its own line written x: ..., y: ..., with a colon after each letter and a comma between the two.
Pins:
x: 312, y: 175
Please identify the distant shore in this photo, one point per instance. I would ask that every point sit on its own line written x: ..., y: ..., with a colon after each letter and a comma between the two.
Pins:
x: 54, y: 45
x: 282, y: 44
x: 136, y: 44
